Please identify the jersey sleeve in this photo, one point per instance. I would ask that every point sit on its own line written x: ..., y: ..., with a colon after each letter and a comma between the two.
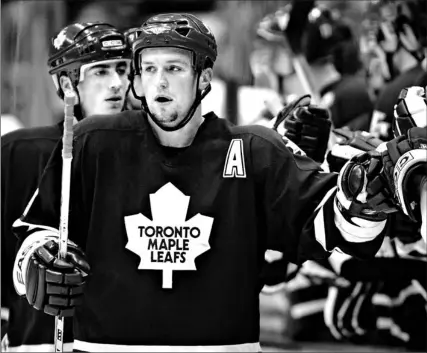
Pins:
x: 22, y: 162
x: 8, y: 241
x: 43, y: 211
x: 298, y: 205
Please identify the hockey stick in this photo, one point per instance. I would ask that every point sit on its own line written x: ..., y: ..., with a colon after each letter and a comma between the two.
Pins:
x: 291, y: 39
x: 67, y: 156
x: 298, y: 20
x: 423, y: 208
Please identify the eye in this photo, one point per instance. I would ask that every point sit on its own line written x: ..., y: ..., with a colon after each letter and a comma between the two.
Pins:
x: 101, y: 72
x: 174, y: 68
x: 149, y: 69
x: 121, y: 71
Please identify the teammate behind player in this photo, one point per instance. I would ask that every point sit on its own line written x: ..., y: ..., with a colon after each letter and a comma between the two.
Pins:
x: 174, y: 212
x: 91, y: 59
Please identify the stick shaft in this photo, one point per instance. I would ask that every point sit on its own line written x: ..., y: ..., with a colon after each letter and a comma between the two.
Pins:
x: 423, y: 206
x: 67, y: 156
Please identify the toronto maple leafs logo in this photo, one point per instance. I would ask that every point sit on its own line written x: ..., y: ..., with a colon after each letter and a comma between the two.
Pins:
x: 168, y: 242
x: 59, y: 40
x: 157, y: 29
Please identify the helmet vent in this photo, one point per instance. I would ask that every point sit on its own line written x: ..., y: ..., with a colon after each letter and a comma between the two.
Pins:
x: 182, y: 22
x: 183, y: 31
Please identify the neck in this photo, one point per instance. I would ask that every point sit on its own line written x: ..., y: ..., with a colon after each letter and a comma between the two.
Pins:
x: 182, y: 137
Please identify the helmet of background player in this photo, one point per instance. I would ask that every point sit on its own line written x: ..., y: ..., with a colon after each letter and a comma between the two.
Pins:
x: 324, y: 32
x: 79, y: 45
x: 184, y: 31
x: 270, y: 30
x: 132, y: 103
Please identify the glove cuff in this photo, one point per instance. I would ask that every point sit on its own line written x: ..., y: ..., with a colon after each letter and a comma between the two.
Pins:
x: 30, y: 244
x: 406, y: 165
x: 357, y: 230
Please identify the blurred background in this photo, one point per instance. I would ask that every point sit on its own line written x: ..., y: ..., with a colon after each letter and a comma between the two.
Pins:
x: 253, y: 79
x: 28, y: 26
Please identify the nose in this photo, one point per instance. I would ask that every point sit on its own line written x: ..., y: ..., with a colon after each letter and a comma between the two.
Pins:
x: 116, y: 83
x: 163, y: 82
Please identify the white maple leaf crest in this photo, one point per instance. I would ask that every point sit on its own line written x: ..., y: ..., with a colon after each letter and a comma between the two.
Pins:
x: 168, y: 242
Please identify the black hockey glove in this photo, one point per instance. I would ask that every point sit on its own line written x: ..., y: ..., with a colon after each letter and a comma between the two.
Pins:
x: 53, y: 285
x: 307, y: 126
x: 349, y: 144
x: 363, y: 190
x: 410, y: 110
x: 406, y: 155
x: 405, y: 167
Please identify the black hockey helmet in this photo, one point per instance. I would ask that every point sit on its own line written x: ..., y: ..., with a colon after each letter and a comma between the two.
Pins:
x: 324, y: 33
x: 80, y: 44
x: 184, y: 31
x: 132, y: 35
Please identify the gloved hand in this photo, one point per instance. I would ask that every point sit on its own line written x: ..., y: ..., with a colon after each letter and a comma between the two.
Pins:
x: 406, y: 155
x: 54, y: 285
x: 349, y: 144
x: 410, y: 110
x: 405, y: 168
x: 363, y: 190
x: 307, y: 126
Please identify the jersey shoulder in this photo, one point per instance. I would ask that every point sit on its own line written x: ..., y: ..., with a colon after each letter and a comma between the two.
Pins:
x: 128, y: 120
x: 37, y: 136
x: 260, y: 135
x: 267, y: 145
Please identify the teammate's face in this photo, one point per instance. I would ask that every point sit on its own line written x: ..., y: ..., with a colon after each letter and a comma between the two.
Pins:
x: 103, y: 87
x: 168, y: 82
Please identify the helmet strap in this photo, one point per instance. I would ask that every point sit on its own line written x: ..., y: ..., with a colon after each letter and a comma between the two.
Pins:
x: 78, y: 111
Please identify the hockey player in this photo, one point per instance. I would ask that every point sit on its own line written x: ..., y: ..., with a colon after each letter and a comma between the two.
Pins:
x: 407, y: 30
x: 158, y: 256
x: 93, y: 60
x: 331, y: 52
x: 385, y: 302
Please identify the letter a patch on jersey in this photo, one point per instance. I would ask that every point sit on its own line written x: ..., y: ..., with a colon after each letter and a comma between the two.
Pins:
x: 235, y: 162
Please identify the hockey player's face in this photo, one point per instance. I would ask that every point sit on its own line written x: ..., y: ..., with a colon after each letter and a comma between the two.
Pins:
x: 103, y: 86
x: 168, y: 84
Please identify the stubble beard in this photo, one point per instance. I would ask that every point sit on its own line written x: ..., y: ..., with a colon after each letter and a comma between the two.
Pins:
x: 166, y: 119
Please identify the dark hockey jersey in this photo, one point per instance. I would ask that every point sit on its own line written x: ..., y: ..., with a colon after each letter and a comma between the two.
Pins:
x: 24, y: 154
x: 176, y: 237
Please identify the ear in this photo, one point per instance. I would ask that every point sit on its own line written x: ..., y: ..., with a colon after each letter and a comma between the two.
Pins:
x: 66, y: 85
x: 205, y: 78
